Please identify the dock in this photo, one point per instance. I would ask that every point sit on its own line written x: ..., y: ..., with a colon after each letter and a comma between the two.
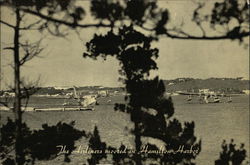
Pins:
x: 34, y: 109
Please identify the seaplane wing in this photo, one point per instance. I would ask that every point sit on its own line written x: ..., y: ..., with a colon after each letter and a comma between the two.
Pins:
x: 201, y: 94
x: 189, y: 93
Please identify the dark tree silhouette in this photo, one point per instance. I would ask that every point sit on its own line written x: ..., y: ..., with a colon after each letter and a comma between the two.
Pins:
x: 147, y: 106
x: 96, y: 144
x: 31, y: 50
x: 38, y: 144
x: 145, y: 14
x: 231, y: 155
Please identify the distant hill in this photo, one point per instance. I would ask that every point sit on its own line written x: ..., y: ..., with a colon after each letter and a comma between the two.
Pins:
x: 222, y: 85
x: 82, y: 89
x: 227, y: 85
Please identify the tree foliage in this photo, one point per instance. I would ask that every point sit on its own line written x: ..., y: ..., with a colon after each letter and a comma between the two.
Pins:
x: 38, y: 144
x: 147, y: 106
x: 231, y: 154
x: 229, y: 17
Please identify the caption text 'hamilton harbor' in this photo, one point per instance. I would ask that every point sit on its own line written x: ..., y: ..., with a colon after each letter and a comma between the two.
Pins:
x: 144, y: 150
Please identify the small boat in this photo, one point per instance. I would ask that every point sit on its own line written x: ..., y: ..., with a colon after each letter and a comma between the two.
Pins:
x: 189, y: 98
x: 229, y: 99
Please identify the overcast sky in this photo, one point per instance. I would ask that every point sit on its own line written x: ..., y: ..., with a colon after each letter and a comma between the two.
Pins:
x: 62, y: 64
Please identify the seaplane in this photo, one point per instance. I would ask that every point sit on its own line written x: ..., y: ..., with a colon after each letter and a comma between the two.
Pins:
x: 85, y: 102
x: 79, y: 103
x: 205, y: 97
x: 82, y: 103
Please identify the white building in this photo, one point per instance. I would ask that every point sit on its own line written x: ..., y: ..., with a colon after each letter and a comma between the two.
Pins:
x: 170, y: 83
x: 203, y: 90
x: 246, y: 91
x: 103, y: 93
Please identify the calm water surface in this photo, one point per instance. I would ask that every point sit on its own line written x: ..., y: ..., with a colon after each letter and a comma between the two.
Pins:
x: 213, y: 123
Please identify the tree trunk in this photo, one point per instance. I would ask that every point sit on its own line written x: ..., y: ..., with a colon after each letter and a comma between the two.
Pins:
x: 137, y: 144
x: 17, y: 100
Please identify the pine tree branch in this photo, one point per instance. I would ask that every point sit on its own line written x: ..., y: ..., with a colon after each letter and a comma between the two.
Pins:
x: 55, y: 20
x: 7, y: 24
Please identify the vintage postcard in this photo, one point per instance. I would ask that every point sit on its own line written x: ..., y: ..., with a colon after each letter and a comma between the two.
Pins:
x: 115, y: 82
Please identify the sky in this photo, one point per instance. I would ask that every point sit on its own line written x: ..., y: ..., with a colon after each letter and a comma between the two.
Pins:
x: 61, y: 63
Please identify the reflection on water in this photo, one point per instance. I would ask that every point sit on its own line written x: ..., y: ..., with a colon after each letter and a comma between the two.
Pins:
x: 213, y: 123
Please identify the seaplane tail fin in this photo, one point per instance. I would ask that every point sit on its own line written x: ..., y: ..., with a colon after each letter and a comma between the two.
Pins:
x: 75, y: 93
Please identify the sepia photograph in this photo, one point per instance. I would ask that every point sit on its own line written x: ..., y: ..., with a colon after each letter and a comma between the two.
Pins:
x: 124, y: 82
